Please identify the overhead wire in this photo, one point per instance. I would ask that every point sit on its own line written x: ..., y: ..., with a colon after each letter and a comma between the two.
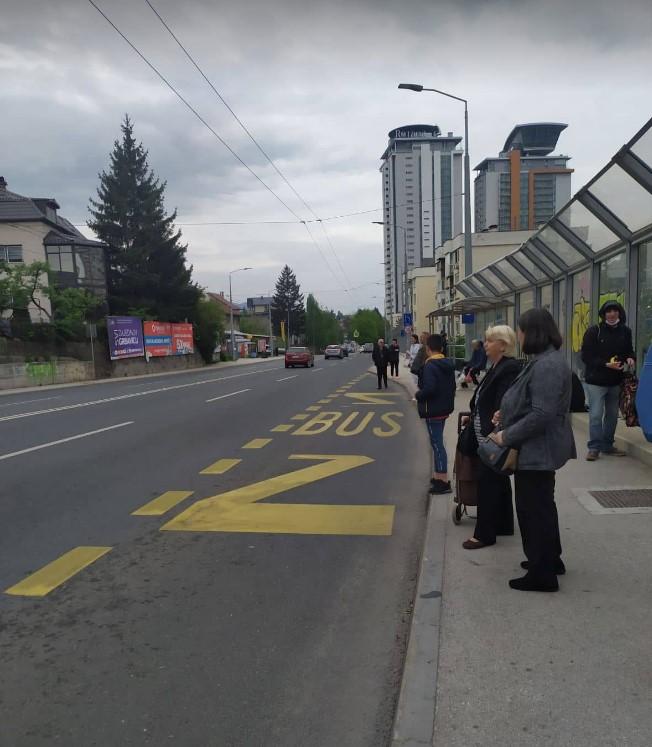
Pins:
x: 255, y: 142
x: 209, y: 127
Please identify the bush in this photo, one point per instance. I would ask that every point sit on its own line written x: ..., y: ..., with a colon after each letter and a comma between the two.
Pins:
x: 208, y: 328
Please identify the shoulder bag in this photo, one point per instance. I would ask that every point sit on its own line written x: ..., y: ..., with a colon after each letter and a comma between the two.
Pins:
x: 501, y: 459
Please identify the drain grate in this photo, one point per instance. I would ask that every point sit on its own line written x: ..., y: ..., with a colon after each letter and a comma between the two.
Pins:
x: 628, y: 498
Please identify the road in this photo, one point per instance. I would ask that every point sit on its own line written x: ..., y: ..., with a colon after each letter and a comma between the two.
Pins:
x: 220, y: 557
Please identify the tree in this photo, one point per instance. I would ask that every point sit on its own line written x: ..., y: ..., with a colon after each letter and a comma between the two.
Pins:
x: 208, y: 328
x: 322, y: 326
x: 369, y: 323
x: 288, y: 297
x: 254, y: 325
x: 146, y: 262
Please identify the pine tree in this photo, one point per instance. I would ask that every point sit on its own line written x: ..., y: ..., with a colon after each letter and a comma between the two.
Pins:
x: 288, y: 295
x: 146, y: 263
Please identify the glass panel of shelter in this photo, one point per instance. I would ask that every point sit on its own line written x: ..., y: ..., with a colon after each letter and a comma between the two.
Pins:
x: 546, y: 297
x: 624, y: 197
x: 593, y: 232
x: 512, y: 274
x: 559, y: 246
x: 581, y: 315
x: 554, y: 270
x: 644, y: 315
x: 643, y: 148
x: 495, y: 280
x: 529, y: 265
x: 613, y: 280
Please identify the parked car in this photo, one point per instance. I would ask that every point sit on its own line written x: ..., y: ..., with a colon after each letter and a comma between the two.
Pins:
x: 299, y: 357
x: 368, y: 347
x: 334, y: 351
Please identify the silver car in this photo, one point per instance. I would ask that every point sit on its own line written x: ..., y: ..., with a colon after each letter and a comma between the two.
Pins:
x: 334, y: 351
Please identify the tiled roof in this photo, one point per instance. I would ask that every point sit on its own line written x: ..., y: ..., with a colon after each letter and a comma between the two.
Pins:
x: 224, y: 302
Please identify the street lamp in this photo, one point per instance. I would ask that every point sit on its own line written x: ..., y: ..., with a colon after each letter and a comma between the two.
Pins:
x: 468, y: 251
x: 240, y: 269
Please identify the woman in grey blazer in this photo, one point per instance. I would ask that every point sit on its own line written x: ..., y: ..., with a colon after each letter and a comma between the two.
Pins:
x: 534, y: 418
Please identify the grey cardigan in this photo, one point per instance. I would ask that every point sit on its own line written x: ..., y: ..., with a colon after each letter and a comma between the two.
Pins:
x: 534, y: 413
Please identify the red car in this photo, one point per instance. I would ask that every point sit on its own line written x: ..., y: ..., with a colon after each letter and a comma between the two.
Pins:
x: 299, y: 357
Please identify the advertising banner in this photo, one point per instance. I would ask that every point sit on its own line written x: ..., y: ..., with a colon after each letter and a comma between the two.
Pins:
x: 125, y: 337
x: 158, y: 338
x: 182, y: 340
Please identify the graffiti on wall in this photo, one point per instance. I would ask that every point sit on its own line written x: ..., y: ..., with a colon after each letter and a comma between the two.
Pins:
x: 41, y: 372
x: 582, y: 315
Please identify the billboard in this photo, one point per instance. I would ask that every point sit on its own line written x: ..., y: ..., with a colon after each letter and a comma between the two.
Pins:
x: 182, y: 340
x: 125, y: 337
x: 158, y: 338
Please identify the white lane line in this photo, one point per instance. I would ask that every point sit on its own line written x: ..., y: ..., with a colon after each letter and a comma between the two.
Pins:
x: 64, y: 440
x: 125, y: 396
x: 287, y: 378
x: 317, y: 370
x: 231, y: 394
x: 27, y: 401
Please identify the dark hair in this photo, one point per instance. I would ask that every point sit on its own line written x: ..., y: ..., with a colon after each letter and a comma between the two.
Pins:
x: 539, y: 330
x: 415, y: 338
x: 394, y: 339
x: 434, y: 343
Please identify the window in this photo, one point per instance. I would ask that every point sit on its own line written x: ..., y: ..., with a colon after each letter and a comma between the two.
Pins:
x: 11, y: 253
x: 60, y: 258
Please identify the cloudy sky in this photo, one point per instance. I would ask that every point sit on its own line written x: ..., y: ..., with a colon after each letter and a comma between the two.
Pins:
x: 316, y: 83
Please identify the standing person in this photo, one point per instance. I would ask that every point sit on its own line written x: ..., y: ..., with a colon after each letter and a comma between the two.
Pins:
x: 477, y: 363
x: 411, y: 352
x: 380, y: 357
x: 419, y: 357
x: 495, y: 515
x: 444, y: 343
x: 394, y: 354
x: 436, y: 398
x: 534, y: 418
x: 606, y: 347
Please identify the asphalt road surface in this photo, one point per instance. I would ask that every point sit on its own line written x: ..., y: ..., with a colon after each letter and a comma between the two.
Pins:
x: 221, y: 557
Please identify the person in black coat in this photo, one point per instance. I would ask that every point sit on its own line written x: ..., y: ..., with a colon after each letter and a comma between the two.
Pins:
x: 380, y: 357
x: 394, y: 355
x: 495, y: 514
x: 606, y: 348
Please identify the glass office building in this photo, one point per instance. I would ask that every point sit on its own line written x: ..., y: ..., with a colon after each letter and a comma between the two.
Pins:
x: 597, y: 247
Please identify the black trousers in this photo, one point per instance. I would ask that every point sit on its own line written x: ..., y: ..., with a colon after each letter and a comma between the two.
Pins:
x: 382, y: 375
x: 538, y: 521
x: 495, y: 514
x: 393, y: 368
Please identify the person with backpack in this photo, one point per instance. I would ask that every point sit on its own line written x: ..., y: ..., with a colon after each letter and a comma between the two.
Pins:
x: 606, y: 349
x: 435, y: 402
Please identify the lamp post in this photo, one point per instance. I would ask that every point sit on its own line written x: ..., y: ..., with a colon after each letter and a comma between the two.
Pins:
x: 403, y: 288
x: 468, y: 251
x: 240, y: 269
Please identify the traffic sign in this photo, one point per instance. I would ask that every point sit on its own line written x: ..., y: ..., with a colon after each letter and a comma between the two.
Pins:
x: 356, y: 334
x: 407, y: 319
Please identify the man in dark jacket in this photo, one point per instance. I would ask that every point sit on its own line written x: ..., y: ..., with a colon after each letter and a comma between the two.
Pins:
x: 436, y: 398
x: 477, y: 363
x: 380, y: 357
x: 606, y: 349
x: 394, y: 355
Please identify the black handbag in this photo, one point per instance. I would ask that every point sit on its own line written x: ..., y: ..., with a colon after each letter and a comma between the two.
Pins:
x: 467, y: 441
x: 501, y: 459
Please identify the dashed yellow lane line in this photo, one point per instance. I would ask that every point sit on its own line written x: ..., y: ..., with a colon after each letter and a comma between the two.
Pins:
x: 43, y: 581
x: 163, y: 503
x: 313, y: 408
x: 283, y: 428
x: 323, y: 401
x: 257, y: 443
x: 300, y: 416
x: 220, y: 466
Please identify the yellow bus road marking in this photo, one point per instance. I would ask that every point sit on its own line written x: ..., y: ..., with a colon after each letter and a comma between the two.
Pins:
x: 54, y: 574
x: 220, y: 466
x: 313, y: 408
x: 257, y: 443
x: 163, y: 503
x: 283, y: 428
x: 378, y: 398
x: 300, y: 416
x: 323, y: 401
x: 234, y: 511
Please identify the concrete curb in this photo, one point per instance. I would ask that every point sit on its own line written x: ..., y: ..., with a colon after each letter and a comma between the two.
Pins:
x: 633, y: 442
x: 415, y: 714
x: 414, y: 721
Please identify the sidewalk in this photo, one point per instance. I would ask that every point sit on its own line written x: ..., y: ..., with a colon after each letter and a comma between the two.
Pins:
x: 212, y: 368
x: 523, y: 669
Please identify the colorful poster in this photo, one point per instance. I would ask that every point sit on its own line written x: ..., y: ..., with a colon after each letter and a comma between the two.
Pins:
x: 125, y: 337
x: 182, y: 339
x: 158, y: 338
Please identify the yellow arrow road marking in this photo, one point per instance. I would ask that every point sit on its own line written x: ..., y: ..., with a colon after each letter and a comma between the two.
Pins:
x: 54, y: 574
x: 234, y: 511
x: 166, y: 501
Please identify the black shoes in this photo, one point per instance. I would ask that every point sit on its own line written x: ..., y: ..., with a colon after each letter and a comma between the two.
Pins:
x: 560, y: 568
x: 439, y: 487
x: 527, y: 583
